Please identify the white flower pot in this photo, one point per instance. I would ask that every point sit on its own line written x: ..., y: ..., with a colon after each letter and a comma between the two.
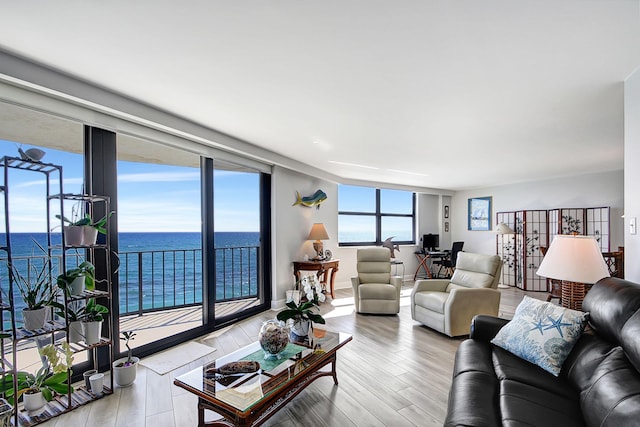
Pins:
x: 74, y: 235
x: 76, y: 287
x: 34, y: 319
x: 301, y: 328
x: 92, y: 332
x: 90, y: 235
x: 124, y: 376
x: 76, y: 333
x: 33, y: 402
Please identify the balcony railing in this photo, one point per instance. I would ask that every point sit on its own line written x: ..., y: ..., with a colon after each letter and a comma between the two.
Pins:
x: 166, y: 279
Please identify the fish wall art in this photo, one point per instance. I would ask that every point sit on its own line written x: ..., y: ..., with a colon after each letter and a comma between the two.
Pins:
x: 309, y: 201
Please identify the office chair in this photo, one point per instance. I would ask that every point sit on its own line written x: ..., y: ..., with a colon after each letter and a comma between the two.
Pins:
x: 449, y: 262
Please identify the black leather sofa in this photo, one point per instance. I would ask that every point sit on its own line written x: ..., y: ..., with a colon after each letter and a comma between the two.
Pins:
x: 599, y: 384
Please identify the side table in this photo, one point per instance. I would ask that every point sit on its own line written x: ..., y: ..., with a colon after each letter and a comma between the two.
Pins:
x: 326, y: 271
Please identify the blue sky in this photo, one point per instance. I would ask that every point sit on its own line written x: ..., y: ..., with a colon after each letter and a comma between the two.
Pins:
x: 151, y: 197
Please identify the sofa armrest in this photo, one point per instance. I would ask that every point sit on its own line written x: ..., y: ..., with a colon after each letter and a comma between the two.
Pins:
x: 430, y: 285
x: 485, y: 328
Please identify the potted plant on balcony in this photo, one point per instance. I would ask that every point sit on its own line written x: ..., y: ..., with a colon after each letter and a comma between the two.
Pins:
x: 37, y: 388
x: 92, y: 317
x: 125, y: 369
x: 75, y: 280
x: 37, y: 291
x: 301, y: 315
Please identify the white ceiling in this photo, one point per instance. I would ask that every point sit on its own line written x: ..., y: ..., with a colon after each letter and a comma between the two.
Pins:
x: 441, y: 94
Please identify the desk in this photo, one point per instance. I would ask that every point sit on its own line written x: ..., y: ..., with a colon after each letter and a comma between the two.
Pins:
x: 326, y: 270
x: 423, y: 262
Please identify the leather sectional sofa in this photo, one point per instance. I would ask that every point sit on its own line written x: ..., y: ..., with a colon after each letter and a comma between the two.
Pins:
x: 598, y: 385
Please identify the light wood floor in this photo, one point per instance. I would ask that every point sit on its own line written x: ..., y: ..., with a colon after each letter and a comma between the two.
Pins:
x: 395, y: 372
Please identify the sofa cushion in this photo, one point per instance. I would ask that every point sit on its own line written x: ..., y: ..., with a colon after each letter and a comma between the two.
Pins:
x: 610, y: 303
x: 511, y: 367
x: 585, y: 357
x: 473, y: 398
x: 526, y: 405
x: 433, y: 301
x: 542, y: 333
x: 613, y: 398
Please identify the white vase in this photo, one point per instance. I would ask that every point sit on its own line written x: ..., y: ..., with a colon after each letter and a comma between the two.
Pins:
x: 33, y: 402
x: 90, y: 235
x: 124, y: 376
x: 301, y: 328
x: 92, y: 332
x: 74, y: 235
x: 76, y: 333
x: 76, y: 287
x: 34, y: 319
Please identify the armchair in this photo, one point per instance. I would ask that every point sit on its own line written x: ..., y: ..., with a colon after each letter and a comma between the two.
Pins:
x: 448, y: 305
x: 375, y: 291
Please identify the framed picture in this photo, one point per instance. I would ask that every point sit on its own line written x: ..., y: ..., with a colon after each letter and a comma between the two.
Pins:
x: 446, y: 211
x: 446, y: 227
x: 479, y: 214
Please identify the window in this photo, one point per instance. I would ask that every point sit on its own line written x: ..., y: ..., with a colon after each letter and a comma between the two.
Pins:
x: 369, y: 216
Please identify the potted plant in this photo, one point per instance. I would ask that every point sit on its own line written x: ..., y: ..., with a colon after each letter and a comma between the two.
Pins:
x: 37, y: 388
x: 75, y: 280
x: 37, y: 292
x: 74, y: 315
x: 82, y: 230
x: 92, y: 321
x: 124, y: 369
x: 302, y: 314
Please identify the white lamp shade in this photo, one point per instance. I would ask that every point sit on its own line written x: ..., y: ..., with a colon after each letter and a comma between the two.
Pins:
x: 318, y: 232
x: 574, y: 259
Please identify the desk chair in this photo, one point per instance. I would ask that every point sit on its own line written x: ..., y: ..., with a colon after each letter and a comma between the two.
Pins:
x: 449, y: 262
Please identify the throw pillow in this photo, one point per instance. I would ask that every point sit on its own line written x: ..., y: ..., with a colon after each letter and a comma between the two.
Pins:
x: 542, y: 333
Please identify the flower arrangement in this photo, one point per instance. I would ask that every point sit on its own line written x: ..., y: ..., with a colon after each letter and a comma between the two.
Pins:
x: 307, y: 310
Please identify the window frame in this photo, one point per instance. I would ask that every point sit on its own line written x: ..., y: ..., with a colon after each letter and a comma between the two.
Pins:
x: 378, y: 215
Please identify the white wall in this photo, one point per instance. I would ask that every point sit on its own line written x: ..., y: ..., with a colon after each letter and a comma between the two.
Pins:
x: 291, y: 225
x: 594, y: 190
x: 631, y: 174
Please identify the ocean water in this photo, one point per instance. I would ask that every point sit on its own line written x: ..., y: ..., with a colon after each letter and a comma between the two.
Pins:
x: 160, y: 269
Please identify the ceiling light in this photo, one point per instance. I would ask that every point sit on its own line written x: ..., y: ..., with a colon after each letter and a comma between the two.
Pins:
x: 351, y: 164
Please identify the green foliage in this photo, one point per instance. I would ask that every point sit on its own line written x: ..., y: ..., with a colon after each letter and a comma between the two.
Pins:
x: 93, y: 311
x: 304, y: 311
x: 85, y: 269
x: 49, y: 379
x: 35, y: 287
x: 100, y: 225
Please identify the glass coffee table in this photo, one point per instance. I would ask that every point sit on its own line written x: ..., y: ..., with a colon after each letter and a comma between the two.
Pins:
x: 251, y: 398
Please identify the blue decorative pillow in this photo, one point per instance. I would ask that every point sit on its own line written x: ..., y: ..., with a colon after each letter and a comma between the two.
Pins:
x: 542, y: 333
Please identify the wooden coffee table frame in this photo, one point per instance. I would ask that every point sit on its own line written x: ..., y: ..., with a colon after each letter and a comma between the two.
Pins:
x: 266, y: 407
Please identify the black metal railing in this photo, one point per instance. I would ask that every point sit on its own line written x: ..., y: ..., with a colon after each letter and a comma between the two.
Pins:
x: 166, y: 279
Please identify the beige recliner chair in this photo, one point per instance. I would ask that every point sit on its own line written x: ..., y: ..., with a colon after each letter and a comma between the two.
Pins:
x: 449, y: 305
x: 375, y: 291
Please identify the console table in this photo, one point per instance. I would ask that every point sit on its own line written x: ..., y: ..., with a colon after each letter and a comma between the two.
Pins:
x: 326, y: 271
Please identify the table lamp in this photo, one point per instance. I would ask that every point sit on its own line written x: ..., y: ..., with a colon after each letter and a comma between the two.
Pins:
x: 577, y: 262
x: 318, y: 233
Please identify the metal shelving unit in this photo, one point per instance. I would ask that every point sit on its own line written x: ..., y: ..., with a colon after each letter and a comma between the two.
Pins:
x: 55, y: 330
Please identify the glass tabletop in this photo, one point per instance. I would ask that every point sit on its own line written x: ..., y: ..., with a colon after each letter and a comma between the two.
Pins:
x: 242, y: 391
